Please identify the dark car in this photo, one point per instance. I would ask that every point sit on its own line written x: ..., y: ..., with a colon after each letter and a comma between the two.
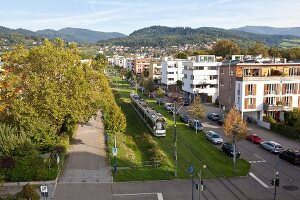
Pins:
x: 228, y: 149
x: 196, y: 125
x: 213, y: 116
x: 184, y: 118
x: 291, y: 155
x: 186, y: 102
x: 220, y: 122
x: 160, y: 101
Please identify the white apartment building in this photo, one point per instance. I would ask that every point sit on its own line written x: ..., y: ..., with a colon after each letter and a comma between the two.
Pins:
x: 171, y: 71
x: 200, y: 77
x: 129, y: 63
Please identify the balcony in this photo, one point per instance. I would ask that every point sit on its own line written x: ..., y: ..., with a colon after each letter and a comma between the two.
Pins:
x: 268, y: 107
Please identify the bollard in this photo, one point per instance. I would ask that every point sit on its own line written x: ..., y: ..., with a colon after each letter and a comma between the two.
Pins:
x: 70, y: 178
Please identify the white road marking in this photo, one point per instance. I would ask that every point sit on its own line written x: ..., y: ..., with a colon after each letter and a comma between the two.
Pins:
x: 258, y: 180
x: 257, y: 161
x: 159, y: 195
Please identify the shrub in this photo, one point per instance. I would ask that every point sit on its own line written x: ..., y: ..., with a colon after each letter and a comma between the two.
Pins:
x: 7, y: 163
x: 285, y: 130
x: 29, y: 192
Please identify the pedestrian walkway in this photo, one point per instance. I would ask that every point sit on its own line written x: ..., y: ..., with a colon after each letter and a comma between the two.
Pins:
x: 87, y: 160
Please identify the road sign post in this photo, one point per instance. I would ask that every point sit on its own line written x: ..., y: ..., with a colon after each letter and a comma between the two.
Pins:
x: 44, y: 191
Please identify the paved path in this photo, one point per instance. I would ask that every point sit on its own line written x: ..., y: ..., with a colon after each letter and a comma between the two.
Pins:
x: 86, y: 161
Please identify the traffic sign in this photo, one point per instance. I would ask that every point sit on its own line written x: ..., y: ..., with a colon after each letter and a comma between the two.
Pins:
x: 114, y: 151
x: 44, y: 189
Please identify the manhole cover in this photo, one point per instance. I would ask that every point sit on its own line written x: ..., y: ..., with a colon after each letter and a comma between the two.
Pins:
x: 290, y: 187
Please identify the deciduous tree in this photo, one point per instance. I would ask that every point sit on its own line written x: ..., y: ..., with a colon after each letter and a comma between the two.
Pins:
x: 197, y: 109
x: 226, y: 48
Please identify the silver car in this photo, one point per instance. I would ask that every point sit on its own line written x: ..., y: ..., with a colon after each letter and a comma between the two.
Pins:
x: 271, y: 146
x: 214, y: 137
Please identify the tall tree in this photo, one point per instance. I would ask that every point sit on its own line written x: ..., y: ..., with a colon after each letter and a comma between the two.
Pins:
x: 197, y: 109
x: 258, y: 48
x: 226, y: 48
x: 275, y: 52
x: 235, y: 127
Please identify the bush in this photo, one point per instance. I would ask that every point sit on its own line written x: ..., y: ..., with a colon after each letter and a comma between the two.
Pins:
x: 285, y: 130
x: 7, y: 163
x: 29, y: 192
x: 32, y: 169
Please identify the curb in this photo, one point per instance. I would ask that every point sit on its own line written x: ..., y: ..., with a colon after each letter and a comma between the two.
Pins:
x: 30, y: 182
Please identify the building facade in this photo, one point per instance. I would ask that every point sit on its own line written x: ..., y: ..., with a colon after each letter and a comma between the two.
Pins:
x: 200, y: 77
x: 141, y: 65
x: 171, y: 72
x: 260, y: 90
x: 155, y: 71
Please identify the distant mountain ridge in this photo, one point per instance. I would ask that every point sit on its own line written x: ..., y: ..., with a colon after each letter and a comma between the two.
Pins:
x: 270, y: 30
x: 79, y: 35
x: 68, y: 34
x: 169, y: 36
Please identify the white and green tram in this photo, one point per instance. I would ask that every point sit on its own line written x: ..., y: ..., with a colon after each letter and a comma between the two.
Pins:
x: 154, y: 120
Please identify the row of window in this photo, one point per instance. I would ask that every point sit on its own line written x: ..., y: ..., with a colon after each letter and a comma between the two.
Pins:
x: 250, y: 103
x: 199, y: 68
x: 212, y: 77
x: 271, y: 89
x: 203, y: 86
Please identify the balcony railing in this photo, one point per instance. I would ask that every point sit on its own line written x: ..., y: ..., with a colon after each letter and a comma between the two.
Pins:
x: 268, y: 107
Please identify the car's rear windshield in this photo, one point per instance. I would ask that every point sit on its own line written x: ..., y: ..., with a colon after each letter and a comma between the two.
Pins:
x: 278, y: 146
x: 216, y: 136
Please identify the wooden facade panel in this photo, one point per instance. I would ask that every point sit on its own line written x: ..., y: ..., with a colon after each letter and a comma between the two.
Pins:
x: 239, y: 72
x: 265, y: 89
x: 264, y: 71
x: 283, y: 88
x: 286, y: 71
x: 246, y: 90
x: 246, y: 103
x: 254, y: 89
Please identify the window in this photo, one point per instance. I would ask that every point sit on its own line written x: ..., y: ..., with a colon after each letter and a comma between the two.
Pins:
x: 221, y: 83
x: 271, y: 100
x: 184, y: 75
x: 222, y: 71
x: 213, y: 86
x: 288, y: 88
x: 192, y: 77
x: 294, y: 71
x: 170, y: 79
x: 213, y: 77
x: 212, y: 68
x: 239, y: 89
x: 271, y: 88
x: 191, y: 86
x: 287, y: 101
x: 250, y: 89
x: 170, y: 72
x: 199, y: 68
x: 246, y: 72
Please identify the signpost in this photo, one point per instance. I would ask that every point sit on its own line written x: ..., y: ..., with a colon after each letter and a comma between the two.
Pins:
x: 44, y: 191
x: 115, y: 152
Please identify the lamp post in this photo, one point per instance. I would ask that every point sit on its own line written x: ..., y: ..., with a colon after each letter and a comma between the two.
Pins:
x: 191, y: 172
x: 201, y: 185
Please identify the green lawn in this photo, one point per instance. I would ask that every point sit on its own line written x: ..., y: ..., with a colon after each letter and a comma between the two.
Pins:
x: 192, y: 148
x: 290, y: 43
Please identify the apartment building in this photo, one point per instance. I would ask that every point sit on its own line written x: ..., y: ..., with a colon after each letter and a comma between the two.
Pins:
x: 155, y: 71
x: 260, y: 90
x: 171, y: 72
x: 200, y: 77
x: 141, y: 65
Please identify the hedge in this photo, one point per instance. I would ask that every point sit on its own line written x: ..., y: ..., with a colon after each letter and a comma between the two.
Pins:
x: 285, y: 130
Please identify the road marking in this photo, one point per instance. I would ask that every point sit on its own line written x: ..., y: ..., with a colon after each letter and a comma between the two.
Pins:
x: 257, y: 161
x: 258, y: 180
x: 159, y: 195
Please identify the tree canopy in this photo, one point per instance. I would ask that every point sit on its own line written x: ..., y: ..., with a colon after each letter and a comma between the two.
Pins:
x: 226, y: 48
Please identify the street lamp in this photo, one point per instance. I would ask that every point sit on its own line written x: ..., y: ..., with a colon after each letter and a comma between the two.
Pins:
x: 201, y: 185
x: 191, y: 172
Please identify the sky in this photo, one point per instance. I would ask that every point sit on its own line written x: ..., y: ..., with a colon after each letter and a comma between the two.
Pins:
x: 126, y: 16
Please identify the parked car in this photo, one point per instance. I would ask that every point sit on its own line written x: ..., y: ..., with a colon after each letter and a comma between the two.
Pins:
x: 168, y: 106
x: 196, y: 125
x: 271, y: 146
x: 228, y: 149
x: 184, y: 118
x: 186, y: 102
x: 213, y: 116
x: 220, y: 122
x: 160, y: 101
x: 254, y: 138
x: 214, y: 137
x: 291, y: 155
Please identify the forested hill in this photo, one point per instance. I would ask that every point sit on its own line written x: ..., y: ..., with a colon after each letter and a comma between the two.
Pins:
x: 270, y: 30
x: 167, y: 36
x: 10, y: 37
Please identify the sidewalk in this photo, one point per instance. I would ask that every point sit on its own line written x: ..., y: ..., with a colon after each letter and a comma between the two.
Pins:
x: 87, y: 160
